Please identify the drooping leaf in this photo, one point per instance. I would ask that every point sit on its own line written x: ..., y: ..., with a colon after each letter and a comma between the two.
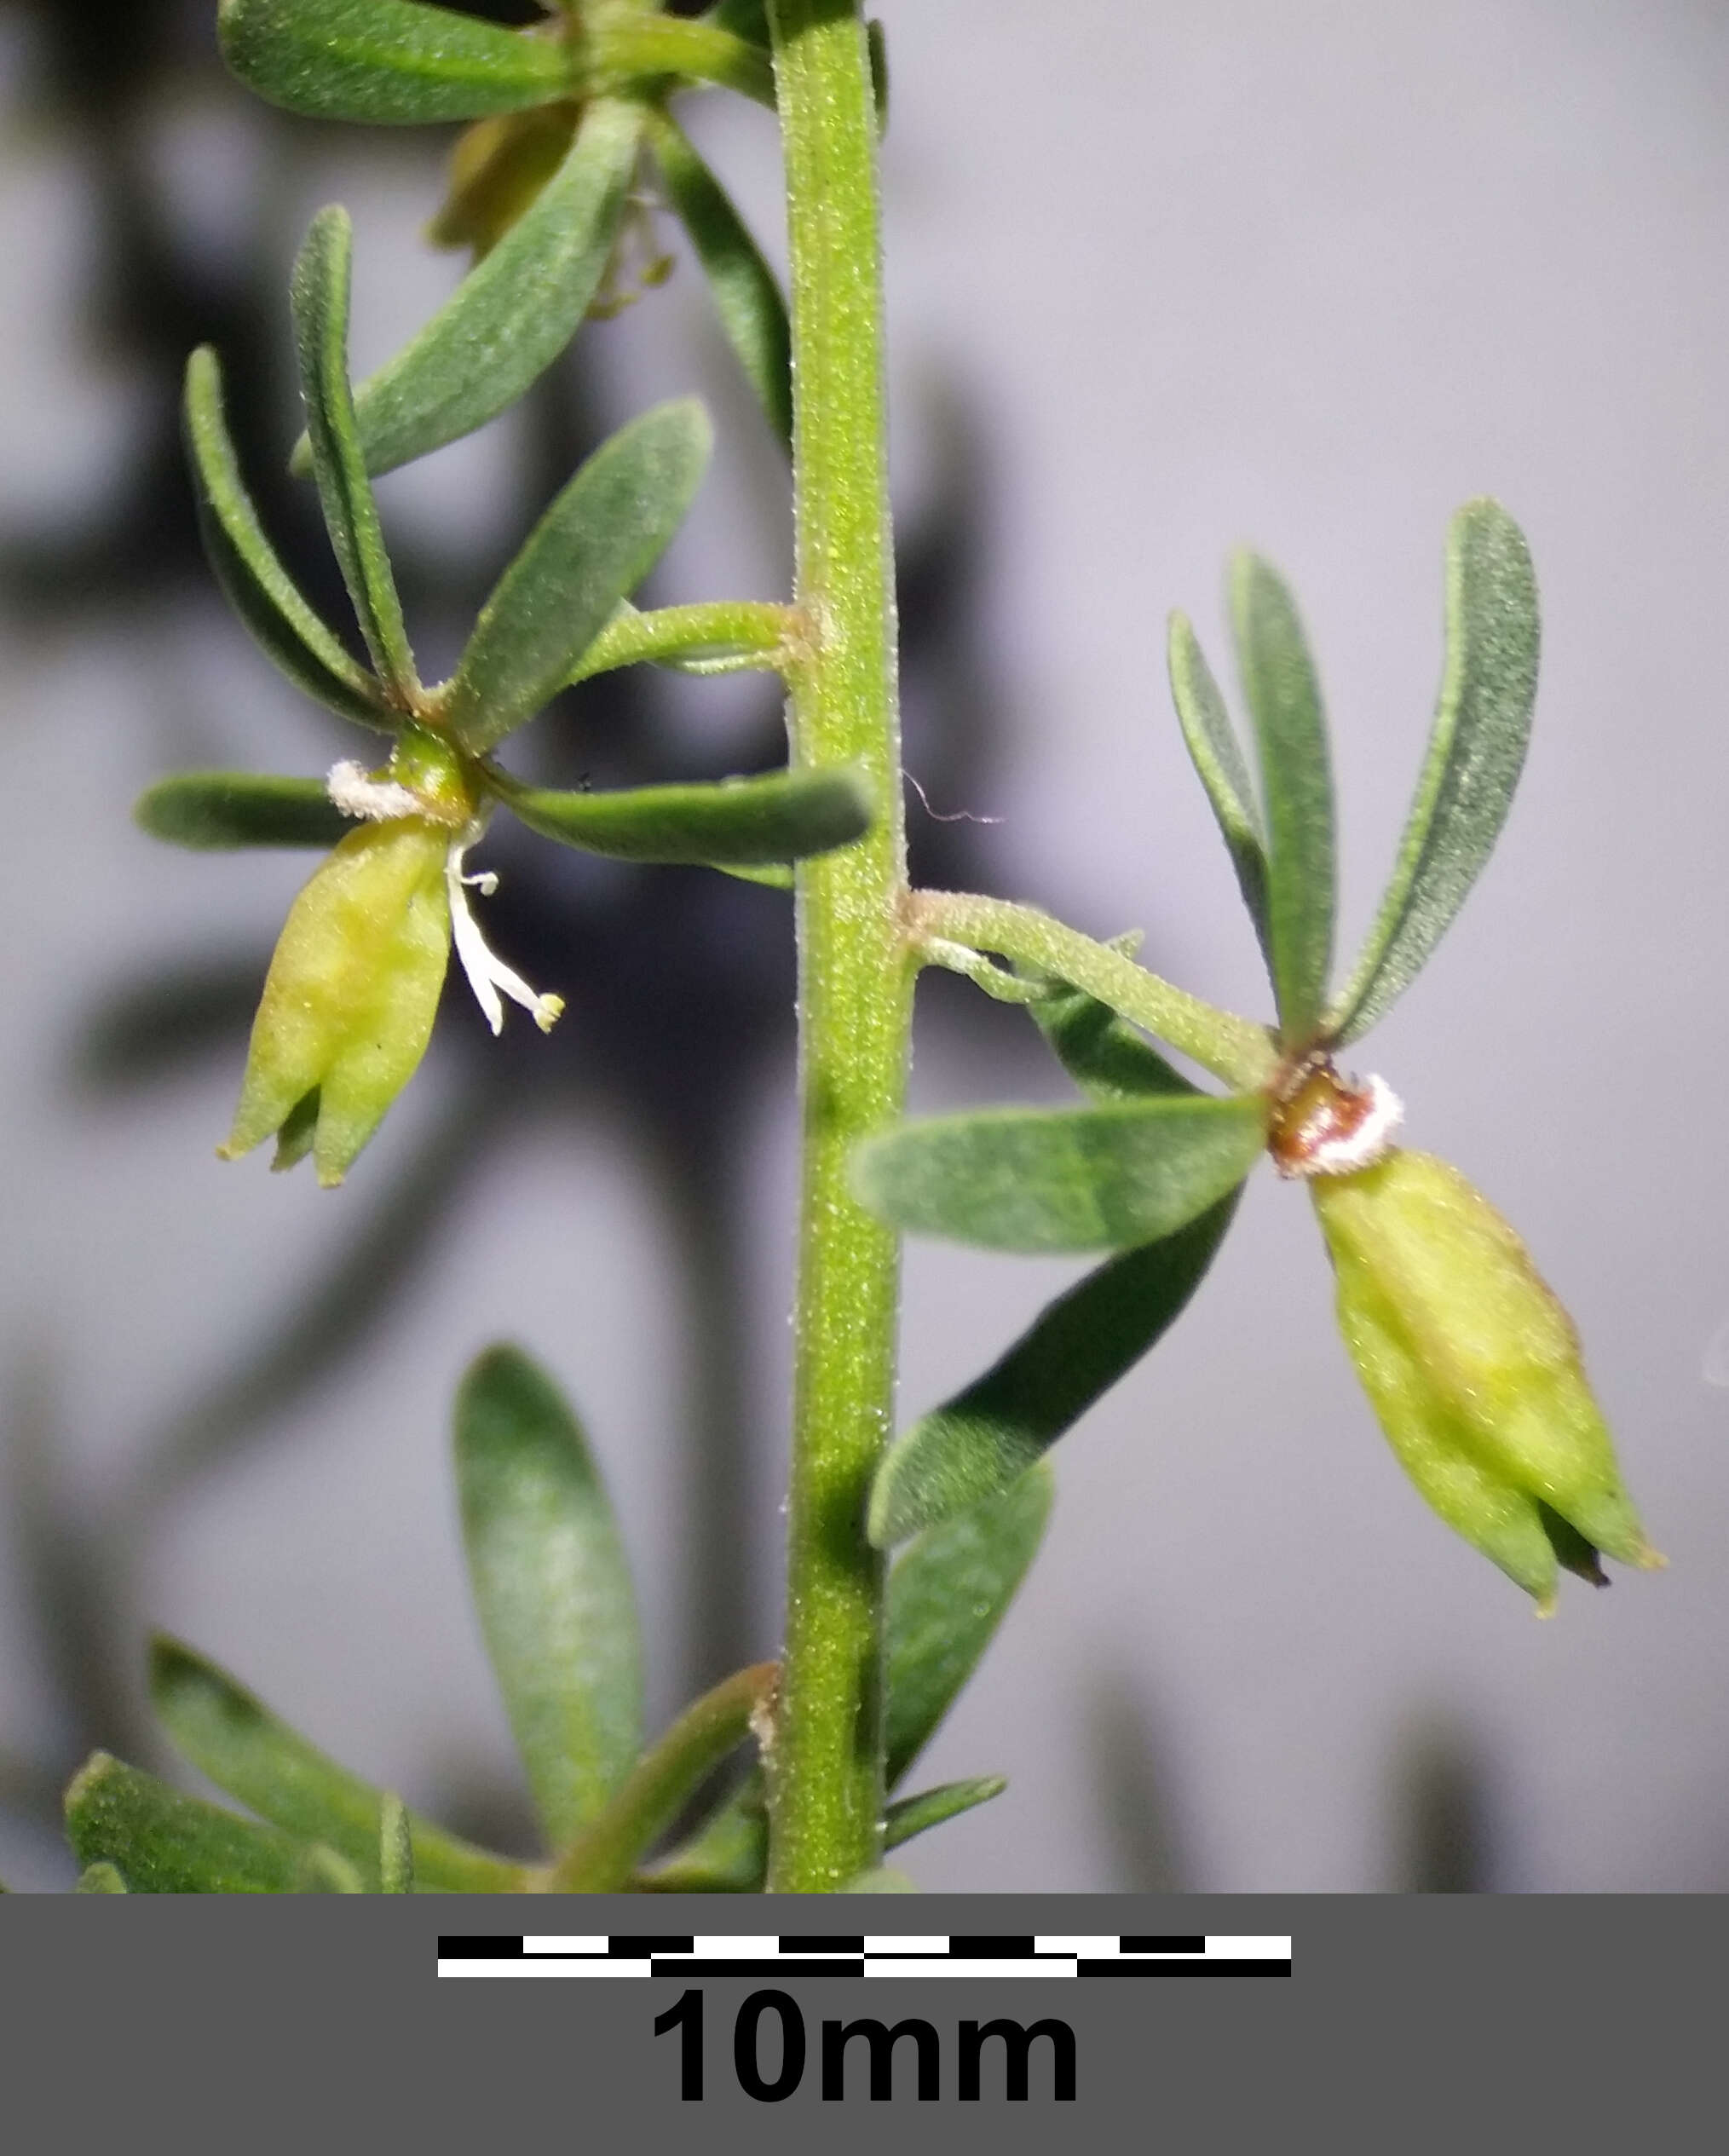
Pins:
x: 783, y: 816
x: 599, y: 539
x: 1476, y: 748
x: 1296, y: 784
x: 227, y: 1733
x: 1056, y: 1179
x: 252, y: 578
x: 1217, y: 756
x: 165, y: 1843
x: 514, y: 313
x: 396, y: 1847
x: 319, y: 293
x: 747, y: 295
x: 100, y: 1879
x: 1105, y: 1056
x: 388, y: 62
x: 211, y: 810
x: 978, y: 1443
x: 552, y: 1588
x: 949, y: 1590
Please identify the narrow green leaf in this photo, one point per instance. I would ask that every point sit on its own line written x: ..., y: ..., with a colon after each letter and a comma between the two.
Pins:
x: 552, y: 1588
x: 599, y: 539
x: 325, y: 1870
x: 604, y: 1855
x: 784, y: 815
x: 252, y: 578
x: 213, y: 811
x: 745, y: 18
x: 1217, y: 756
x: 319, y: 293
x: 1476, y: 748
x: 746, y: 294
x: 396, y: 1847
x: 930, y: 1807
x: 165, y: 1843
x: 227, y: 1733
x: 877, y: 45
x: 514, y: 313
x: 722, y: 636
x: 1284, y: 701
x: 948, y: 1591
x: 100, y: 1879
x: 978, y: 1443
x: 729, y: 1854
x: 1089, y: 1178
x: 391, y: 62
x: 1107, y: 1057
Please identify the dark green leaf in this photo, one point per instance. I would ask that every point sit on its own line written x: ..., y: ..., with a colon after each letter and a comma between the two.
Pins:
x: 784, y: 815
x: 319, y: 292
x: 1476, y: 748
x: 599, y: 540
x: 396, y: 1847
x: 515, y: 312
x: 877, y: 43
x: 930, y: 1807
x: 745, y: 18
x: 746, y: 294
x: 100, y: 1879
x: 165, y: 1843
x: 948, y: 1591
x: 552, y: 1588
x: 1217, y: 756
x: 1105, y: 1056
x: 1296, y: 784
x: 1089, y: 1178
x: 253, y: 580
x: 387, y: 62
x: 211, y: 810
x: 729, y: 1854
x: 229, y: 1734
x: 1075, y: 1351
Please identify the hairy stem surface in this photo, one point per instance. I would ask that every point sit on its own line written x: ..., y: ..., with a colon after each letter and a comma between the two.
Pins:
x: 855, y: 976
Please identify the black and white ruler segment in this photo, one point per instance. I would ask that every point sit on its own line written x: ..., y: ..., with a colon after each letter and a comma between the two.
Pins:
x: 763, y: 1955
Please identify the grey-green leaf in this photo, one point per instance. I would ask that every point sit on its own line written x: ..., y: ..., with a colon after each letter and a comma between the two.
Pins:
x: 165, y: 1843
x: 1054, y: 1179
x: 784, y: 815
x: 100, y: 1879
x: 1105, y: 1056
x: 1476, y: 748
x: 389, y: 62
x: 516, y: 309
x: 948, y: 1591
x: 1217, y: 756
x: 552, y: 1588
x: 319, y: 292
x: 981, y: 1441
x: 1296, y: 784
x: 918, y: 1814
x: 597, y: 541
x: 747, y: 295
x: 227, y: 1733
x: 212, y: 811
x: 253, y: 579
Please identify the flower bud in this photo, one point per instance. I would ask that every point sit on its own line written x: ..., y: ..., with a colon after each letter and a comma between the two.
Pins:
x: 1474, y: 1370
x: 349, y: 1000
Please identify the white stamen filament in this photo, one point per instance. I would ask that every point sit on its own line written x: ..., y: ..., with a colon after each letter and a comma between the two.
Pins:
x: 357, y: 793
x: 488, y: 973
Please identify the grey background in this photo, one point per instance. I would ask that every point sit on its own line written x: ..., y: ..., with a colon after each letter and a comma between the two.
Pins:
x: 1305, y: 275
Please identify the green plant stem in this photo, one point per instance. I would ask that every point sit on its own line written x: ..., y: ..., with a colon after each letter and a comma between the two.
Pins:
x: 1234, y: 1049
x: 718, y: 635
x: 659, y: 1785
x: 854, y: 971
x: 626, y: 48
